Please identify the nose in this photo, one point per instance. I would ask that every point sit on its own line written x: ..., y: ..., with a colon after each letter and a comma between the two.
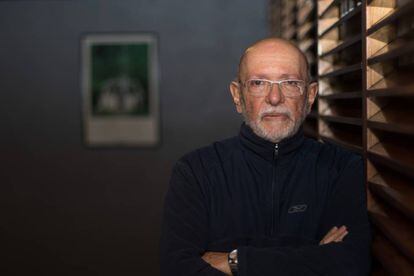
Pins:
x: 275, y: 95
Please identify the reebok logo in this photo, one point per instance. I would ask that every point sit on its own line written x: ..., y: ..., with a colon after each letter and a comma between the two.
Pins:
x: 297, y: 208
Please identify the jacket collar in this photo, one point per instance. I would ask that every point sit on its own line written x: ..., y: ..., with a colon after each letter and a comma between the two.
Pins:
x: 266, y: 149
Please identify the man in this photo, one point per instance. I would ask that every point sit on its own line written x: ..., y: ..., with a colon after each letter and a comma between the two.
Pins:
x: 269, y: 201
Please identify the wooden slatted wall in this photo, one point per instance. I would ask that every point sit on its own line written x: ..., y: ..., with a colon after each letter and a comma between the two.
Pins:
x: 365, y: 70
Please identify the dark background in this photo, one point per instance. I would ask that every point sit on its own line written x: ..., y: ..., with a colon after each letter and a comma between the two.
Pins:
x: 69, y: 210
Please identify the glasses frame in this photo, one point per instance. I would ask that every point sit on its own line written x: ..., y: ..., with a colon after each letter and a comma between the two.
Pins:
x: 279, y: 82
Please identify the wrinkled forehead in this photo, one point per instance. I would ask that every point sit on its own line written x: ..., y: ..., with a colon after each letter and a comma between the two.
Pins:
x: 274, y: 62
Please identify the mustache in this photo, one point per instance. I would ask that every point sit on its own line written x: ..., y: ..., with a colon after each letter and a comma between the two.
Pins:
x: 272, y: 110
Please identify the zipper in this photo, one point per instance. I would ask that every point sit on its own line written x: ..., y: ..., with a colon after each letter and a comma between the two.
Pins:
x: 275, y: 156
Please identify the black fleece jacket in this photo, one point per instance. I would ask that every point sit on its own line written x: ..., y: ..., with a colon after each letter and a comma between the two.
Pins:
x: 273, y: 202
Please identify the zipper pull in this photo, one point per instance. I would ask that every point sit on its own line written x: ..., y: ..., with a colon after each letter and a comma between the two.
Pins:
x: 276, y: 150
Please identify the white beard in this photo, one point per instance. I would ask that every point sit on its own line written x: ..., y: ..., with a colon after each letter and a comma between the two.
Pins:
x: 275, y: 135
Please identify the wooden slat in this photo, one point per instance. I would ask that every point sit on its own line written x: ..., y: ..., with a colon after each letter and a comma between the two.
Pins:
x: 394, y: 226
x: 397, y: 159
x: 343, y: 120
x: 391, y: 259
x: 400, y: 12
x: 327, y: 7
x: 342, y: 20
x: 306, y: 29
x: 307, y: 44
x: 342, y: 143
x: 404, y: 91
x: 391, y: 114
x: 342, y: 95
x: 403, y: 49
x: 289, y: 33
x: 378, y: 10
x: 342, y: 46
x: 398, y: 128
x: 345, y: 70
x: 305, y: 13
x: 390, y: 163
x: 348, y: 136
x: 396, y: 153
x: 397, y: 191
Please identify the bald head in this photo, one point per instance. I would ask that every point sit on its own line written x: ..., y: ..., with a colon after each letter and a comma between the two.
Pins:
x: 274, y: 47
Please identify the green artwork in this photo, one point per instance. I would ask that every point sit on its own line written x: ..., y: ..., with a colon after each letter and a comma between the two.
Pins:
x: 120, y: 89
x: 120, y: 79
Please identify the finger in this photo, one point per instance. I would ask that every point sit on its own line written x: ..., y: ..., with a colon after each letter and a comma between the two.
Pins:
x: 333, y: 230
x: 340, y: 238
x: 333, y: 236
x: 337, y: 234
x: 206, y: 256
x: 329, y: 234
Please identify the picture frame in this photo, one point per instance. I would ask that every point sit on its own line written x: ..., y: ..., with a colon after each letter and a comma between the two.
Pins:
x: 119, y: 76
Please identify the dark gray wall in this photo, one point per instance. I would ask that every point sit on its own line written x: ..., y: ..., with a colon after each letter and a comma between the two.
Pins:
x: 69, y: 210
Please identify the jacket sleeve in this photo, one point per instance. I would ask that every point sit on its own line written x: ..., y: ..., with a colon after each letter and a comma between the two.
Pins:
x: 185, y: 227
x: 346, y: 206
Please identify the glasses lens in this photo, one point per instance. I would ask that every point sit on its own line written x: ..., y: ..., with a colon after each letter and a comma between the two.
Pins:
x: 257, y: 87
x: 292, y: 88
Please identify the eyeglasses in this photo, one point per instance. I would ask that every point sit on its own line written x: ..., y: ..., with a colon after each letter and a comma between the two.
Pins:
x: 261, y: 87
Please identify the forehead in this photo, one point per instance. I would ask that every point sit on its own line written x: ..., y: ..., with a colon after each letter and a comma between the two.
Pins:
x: 273, y: 62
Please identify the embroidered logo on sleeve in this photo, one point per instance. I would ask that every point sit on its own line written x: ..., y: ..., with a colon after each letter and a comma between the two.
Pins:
x: 297, y: 208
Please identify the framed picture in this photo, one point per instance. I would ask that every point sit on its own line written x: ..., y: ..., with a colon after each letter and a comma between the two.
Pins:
x: 120, y: 89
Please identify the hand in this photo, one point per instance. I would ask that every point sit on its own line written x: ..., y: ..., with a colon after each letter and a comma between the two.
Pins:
x: 218, y: 260
x: 334, y: 235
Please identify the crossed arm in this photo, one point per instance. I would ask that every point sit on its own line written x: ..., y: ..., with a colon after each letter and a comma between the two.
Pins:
x: 219, y: 260
x: 183, y: 243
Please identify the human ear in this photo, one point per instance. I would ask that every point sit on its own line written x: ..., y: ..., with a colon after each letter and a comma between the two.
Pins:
x: 312, y: 92
x: 236, y: 94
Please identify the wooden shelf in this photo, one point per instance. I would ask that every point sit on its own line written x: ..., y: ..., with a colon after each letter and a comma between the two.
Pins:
x: 348, y: 108
x: 345, y: 70
x: 342, y: 143
x: 341, y: 84
x: 395, y: 227
x: 398, y: 52
x: 306, y: 29
x: 305, y: 14
x: 342, y: 95
x: 342, y: 20
x: 307, y: 44
x: 391, y: 259
x: 348, y: 136
x: 342, y: 120
x: 409, y: 129
x: 403, y: 91
x: 391, y: 114
x: 394, y: 157
x: 400, y: 12
x: 288, y: 22
x: 363, y: 63
x: 396, y: 166
x: 342, y: 46
x: 394, y: 190
x: 389, y: 75
x: 328, y: 8
x: 289, y: 34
